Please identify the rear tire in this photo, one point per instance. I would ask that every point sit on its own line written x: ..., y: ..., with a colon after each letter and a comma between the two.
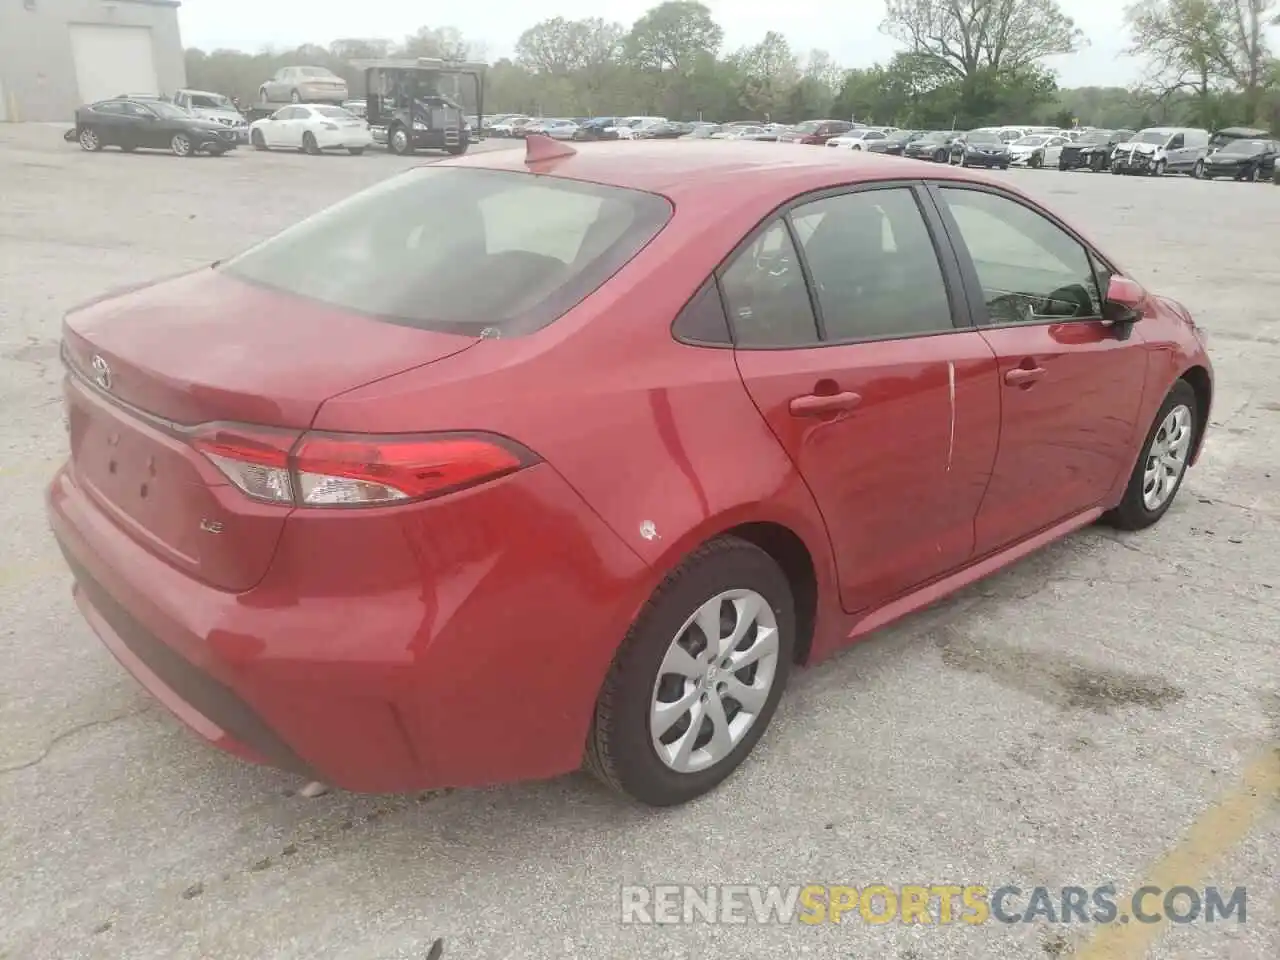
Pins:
x: 1175, y: 429
x: 355, y: 151
x: 457, y: 150
x: 621, y: 749
x: 127, y: 148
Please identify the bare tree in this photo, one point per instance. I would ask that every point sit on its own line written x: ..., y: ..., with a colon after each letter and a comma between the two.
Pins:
x: 969, y: 37
x: 1205, y: 45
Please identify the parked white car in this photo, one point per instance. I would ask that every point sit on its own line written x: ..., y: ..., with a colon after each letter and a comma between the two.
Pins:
x: 312, y: 128
x: 1037, y: 150
x: 508, y: 126
x: 555, y: 129
x: 214, y: 106
x: 634, y: 128
x: 738, y: 133
x: 856, y: 139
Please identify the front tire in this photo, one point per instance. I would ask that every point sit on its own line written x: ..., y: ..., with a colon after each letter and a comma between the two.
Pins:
x: 1197, y: 172
x: 697, y: 678
x: 355, y: 151
x: 181, y: 145
x: 90, y: 141
x: 399, y: 142
x: 1160, y: 168
x: 258, y: 140
x: 457, y: 149
x: 1159, y: 472
x: 309, y: 144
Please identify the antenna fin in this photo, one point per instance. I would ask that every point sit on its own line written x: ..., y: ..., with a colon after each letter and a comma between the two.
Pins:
x: 538, y: 147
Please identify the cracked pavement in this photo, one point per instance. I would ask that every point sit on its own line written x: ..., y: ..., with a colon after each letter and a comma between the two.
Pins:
x: 1064, y: 722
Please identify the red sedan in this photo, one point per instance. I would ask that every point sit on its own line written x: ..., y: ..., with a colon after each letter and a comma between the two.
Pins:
x: 523, y: 461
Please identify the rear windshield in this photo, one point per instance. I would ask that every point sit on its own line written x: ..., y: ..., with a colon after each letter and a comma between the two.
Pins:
x: 1246, y: 148
x: 318, y: 72
x: 463, y: 251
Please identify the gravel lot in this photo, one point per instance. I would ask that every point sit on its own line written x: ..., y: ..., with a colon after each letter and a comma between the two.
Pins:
x: 1072, y: 721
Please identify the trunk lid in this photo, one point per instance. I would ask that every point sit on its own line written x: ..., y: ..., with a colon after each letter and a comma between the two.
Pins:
x: 147, y: 365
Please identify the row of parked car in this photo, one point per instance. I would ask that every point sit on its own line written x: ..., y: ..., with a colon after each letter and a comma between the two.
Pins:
x: 1239, y: 153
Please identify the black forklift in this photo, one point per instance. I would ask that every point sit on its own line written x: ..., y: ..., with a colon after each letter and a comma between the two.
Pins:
x: 416, y: 104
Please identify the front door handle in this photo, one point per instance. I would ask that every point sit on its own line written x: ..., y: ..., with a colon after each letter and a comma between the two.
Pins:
x: 823, y: 405
x: 1020, y: 376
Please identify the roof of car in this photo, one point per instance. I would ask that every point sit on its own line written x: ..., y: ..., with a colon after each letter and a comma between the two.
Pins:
x: 708, y: 170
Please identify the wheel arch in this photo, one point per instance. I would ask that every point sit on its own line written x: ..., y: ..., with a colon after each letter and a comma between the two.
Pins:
x: 1200, y: 381
x: 802, y: 552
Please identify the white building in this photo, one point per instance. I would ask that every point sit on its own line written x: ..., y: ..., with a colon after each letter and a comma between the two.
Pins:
x: 58, y: 54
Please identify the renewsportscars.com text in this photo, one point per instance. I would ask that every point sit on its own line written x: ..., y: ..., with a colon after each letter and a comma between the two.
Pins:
x: 943, y: 904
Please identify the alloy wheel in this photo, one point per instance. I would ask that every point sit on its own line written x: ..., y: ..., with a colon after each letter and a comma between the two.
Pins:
x: 180, y: 145
x: 714, y: 681
x: 1167, y: 458
x: 89, y: 140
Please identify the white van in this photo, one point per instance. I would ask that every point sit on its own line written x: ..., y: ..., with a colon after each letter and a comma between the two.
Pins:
x: 1156, y: 151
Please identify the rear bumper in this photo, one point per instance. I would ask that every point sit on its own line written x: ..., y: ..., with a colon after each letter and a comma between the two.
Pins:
x: 441, y: 644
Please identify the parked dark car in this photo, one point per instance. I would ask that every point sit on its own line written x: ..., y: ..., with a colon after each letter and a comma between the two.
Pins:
x: 1092, y: 150
x: 598, y: 128
x: 153, y: 125
x: 895, y: 144
x: 932, y: 145
x: 1224, y: 136
x: 1243, y: 160
x: 816, y: 132
x: 982, y: 148
x: 669, y: 130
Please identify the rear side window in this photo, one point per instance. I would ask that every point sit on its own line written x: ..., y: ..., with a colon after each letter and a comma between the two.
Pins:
x: 460, y: 250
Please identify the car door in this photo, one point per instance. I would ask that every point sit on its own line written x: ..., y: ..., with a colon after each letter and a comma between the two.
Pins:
x: 1070, y: 387
x: 853, y: 340
x: 1053, y: 150
x: 1177, y: 154
x: 138, y: 126
x: 272, y: 130
x: 108, y: 121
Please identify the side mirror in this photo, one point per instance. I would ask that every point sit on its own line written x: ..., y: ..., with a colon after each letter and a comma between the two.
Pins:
x: 1125, y: 293
x: 1123, y: 307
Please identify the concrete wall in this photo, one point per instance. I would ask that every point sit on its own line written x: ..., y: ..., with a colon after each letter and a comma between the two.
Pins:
x: 37, y: 67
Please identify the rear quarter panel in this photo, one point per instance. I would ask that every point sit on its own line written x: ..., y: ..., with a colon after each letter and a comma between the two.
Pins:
x: 660, y: 438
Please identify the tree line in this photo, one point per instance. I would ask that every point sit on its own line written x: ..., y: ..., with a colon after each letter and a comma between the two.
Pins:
x: 965, y: 63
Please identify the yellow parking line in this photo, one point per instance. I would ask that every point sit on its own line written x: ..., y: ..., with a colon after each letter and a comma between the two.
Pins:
x: 1211, y: 836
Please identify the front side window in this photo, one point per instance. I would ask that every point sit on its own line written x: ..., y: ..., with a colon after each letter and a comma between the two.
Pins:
x: 765, y: 293
x: 1178, y: 142
x: 1030, y: 269
x: 460, y: 251
x: 874, y: 268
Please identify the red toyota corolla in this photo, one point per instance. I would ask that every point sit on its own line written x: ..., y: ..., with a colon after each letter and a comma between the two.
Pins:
x: 526, y: 460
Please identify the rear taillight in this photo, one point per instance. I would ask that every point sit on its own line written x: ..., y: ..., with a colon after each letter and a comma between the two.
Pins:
x: 335, y: 470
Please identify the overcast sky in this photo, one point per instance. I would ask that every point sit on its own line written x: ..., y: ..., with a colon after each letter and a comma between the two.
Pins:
x: 849, y: 31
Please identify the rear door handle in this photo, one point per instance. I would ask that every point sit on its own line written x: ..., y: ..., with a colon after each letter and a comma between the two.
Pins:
x: 823, y: 405
x: 1023, y: 375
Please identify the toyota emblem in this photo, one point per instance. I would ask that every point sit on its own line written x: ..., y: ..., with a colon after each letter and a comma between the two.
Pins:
x: 101, y: 372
